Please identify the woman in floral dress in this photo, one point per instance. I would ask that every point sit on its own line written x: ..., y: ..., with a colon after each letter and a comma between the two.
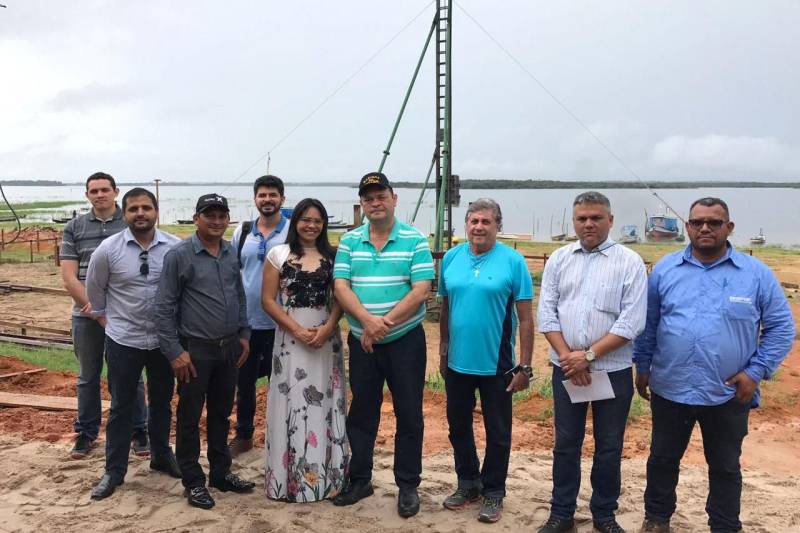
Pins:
x: 307, y: 449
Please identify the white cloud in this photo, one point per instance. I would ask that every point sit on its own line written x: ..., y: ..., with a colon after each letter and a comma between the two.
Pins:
x: 726, y: 156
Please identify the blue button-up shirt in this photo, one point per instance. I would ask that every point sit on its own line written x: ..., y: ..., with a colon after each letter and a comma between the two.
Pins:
x: 117, y: 289
x: 707, y: 323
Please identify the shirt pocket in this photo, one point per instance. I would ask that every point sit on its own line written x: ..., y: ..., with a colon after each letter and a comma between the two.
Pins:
x: 740, y: 311
x: 608, y: 298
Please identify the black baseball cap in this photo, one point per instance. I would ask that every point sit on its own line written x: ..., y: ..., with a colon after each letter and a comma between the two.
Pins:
x: 373, y: 179
x: 207, y: 201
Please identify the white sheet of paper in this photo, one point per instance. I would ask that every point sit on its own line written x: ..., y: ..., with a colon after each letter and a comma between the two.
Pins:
x: 600, y: 389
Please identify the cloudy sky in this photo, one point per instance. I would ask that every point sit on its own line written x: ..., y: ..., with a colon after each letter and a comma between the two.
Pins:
x: 201, y: 90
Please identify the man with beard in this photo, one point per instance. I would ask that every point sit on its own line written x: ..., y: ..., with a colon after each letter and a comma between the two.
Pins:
x: 717, y: 324
x: 121, y: 286
x: 201, y: 318
x: 253, y: 239
x: 82, y: 235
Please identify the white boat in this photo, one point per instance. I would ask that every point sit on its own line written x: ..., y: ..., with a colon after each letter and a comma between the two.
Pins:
x: 760, y: 238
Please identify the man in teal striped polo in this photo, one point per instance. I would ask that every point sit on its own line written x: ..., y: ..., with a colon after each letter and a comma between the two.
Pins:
x: 382, y: 276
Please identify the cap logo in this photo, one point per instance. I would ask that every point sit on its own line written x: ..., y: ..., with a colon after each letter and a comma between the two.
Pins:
x: 371, y: 180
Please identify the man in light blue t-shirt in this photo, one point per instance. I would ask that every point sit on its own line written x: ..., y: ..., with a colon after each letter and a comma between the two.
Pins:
x: 253, y: 239
x: 487, y: 291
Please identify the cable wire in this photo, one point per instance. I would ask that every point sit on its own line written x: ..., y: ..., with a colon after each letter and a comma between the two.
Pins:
x: 16, y: 216
x: 332, y: 94
x: 566, y: 109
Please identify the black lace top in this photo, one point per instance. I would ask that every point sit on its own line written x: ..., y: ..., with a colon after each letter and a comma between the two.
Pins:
x: 303, y: 288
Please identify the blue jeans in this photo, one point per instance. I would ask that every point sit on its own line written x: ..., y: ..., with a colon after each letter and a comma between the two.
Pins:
x: 125, y: 366
x: 88, y: 339
x: 724, y: 428
x: 497, y: 408
x: 258, y: 364
x: 609, y: 418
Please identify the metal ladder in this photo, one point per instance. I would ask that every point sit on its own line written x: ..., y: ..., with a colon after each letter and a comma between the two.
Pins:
x: 443, y: 130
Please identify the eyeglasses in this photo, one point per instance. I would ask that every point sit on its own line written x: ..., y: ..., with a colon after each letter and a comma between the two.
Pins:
x: 713, y: 224
x: 309, y: 220
x: 144, y: 268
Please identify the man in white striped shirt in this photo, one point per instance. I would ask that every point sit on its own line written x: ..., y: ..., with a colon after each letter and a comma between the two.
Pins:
x: 592, y: 303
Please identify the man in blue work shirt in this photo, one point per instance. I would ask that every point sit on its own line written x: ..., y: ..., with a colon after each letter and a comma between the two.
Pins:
x: 717, y: 324
x: 260, y: 235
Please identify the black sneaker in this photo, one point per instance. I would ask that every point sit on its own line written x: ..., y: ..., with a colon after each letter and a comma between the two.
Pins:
x: 558, y: 525
x: 233, y: 483
x: 608, y: 525
x: 140, y: 444
x: 651, y: 526
x: 490, y: 510
x: 353, y: 492
x: 83, y: 445
x: 199, y: 497
x: 240, y: 445
x: 461, y: 498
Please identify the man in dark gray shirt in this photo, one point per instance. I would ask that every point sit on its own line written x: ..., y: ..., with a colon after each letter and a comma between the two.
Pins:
x: 201, y: 317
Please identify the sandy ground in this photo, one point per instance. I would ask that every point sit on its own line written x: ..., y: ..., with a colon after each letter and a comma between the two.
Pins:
x: 41, y: 489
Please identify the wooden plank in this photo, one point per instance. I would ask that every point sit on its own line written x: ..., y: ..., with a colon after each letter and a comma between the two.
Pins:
x: 32, y: 371
x: 46, y: 403
x: 789, y: 285
x: 31, y: 288
x: 31, y: 327
x: 19, y: 339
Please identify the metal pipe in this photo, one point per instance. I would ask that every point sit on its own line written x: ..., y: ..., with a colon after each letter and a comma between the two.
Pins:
x: 425, y: 185
x: 408, y: 94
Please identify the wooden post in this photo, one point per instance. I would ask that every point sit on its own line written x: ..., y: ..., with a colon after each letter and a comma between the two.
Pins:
x: 158, y: 201
x: 356, y: 215
x: 37, y: 242
x: 31, y: 243
x: 2, y: 238
x: 55, y: 252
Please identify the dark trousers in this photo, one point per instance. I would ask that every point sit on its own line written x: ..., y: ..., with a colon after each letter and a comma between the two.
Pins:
x: 609, y: 418
x: 125, y: 366
x: 723, y: 428
x: 401, y: 364
x: 214, y: 386
x: 496, y: 406
x: 89, y: 338
x: 259, y: 364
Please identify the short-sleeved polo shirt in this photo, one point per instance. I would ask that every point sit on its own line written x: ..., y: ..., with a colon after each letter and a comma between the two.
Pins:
x: 482, y: 317
x: 82, y: 236
x: 381, y: 278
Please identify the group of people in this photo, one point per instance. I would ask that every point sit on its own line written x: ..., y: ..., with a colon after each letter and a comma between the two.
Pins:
x: 707, y: 326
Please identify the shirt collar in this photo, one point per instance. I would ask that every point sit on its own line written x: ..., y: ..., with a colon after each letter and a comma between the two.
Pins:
x: 197, y: 245
x: 392, y: 234
x: 603, y: 248
x: 116, y: 216
x: 735, y: 257
x: 159, y: 237
x: 279, y: 228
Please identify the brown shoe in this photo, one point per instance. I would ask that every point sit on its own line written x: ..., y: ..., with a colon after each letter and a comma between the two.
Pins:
x: 239, y: 445
x: 651, y: 526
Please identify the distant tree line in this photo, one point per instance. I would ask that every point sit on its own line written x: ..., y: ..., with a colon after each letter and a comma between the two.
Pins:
x: 29, y: 183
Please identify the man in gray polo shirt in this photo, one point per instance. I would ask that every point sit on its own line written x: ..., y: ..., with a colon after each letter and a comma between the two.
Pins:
x: 81, y: 237
x: 201, y: 317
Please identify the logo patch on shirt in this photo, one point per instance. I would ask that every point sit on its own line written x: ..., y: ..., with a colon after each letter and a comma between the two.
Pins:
x: 741, y: 299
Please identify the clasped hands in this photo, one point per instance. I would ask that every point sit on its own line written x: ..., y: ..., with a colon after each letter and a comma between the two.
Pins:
x: 576, y: 367
x: 375, y: 329
x: 314, y: 337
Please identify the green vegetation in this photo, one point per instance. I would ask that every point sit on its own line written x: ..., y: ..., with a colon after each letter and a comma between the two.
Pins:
x: 50, y: 358
x: 639, y: 408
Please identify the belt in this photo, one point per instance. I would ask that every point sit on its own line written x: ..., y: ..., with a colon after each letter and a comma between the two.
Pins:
x: 211, y: 342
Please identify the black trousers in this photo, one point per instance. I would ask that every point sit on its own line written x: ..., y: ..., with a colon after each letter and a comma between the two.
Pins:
x: 497, y: 409
x: 258, y: 364
x: 125, y: 366
x: 724, y: 428
x: 400, y: 364
x: 214, y: 386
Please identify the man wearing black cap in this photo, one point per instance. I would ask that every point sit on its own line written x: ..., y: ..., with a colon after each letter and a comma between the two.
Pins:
x: 383, y: 272
x: 201, y: 317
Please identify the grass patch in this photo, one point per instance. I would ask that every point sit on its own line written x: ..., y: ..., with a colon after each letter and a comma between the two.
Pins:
x: 639, y: 408
x: 544, y: 386
x: 26, y: 207
x: 56, y: 359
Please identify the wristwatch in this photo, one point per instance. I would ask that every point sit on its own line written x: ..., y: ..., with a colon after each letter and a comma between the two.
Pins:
x: 527, y: 370
x: 590, y: 355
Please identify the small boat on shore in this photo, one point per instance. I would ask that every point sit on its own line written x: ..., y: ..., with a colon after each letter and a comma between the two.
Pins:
x: 662, y: 227
x: 759, y: 239
x: 628, y: 234
x: 516, y: 236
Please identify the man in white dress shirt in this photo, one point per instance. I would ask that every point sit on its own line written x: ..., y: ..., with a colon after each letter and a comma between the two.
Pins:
x: 593, y: 302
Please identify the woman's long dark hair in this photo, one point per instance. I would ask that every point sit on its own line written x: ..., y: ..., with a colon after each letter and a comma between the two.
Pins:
x: 293, y: 239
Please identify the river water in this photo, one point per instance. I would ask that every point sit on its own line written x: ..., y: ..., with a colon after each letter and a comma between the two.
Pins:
x: 524, y: 211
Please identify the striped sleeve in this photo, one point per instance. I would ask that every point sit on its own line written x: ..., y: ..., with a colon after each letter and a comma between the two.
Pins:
x: 341, y: 265
x: 422, y: 261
